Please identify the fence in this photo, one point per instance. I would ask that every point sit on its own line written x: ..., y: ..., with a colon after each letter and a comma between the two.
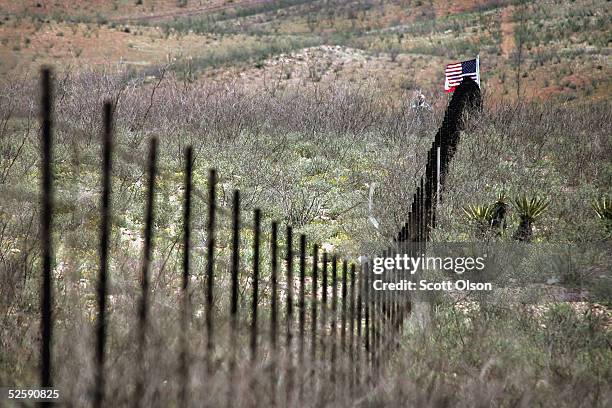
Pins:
x: 347, y: 330
x: 422, y: 215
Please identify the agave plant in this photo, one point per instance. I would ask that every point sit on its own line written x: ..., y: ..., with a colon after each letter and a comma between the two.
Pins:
x: 500, y: 209
x: 529, y: 211
x: 603, y: 209
x: 480, y: 214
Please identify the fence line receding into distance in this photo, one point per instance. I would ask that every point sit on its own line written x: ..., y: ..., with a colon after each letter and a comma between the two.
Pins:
x: 349, y: 333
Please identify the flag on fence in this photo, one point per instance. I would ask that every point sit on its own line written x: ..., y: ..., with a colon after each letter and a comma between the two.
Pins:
x: 455, y: 73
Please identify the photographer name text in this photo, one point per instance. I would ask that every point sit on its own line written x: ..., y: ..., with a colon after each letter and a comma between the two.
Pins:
x: 411, y: 265
x: 424, y: 285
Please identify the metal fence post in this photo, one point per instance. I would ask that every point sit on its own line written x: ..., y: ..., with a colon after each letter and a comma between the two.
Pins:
x: 46, y: 224
x: 105, y: 230
x: 210, y: 266
x: 235, y: 265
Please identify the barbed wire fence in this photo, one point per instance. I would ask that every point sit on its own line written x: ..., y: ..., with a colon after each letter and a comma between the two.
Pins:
x: 327, y: 307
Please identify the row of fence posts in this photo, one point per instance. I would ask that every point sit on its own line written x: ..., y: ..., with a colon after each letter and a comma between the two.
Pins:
x: 415, y: 233
x: 353, y: 332
x: 422, y: 215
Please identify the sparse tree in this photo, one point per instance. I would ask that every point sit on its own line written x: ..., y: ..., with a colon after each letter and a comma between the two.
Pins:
x: 393, y: 52
x: 352, y: 16
x: 520, y: 38
x: 311, y: 20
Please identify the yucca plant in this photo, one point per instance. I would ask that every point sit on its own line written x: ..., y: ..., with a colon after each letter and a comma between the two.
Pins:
x: 603, y: 209
x: 480, y: 214
x: 500, y: 209
x: 529, y: 211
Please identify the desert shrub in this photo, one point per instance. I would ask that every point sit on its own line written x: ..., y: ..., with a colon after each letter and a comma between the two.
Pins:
x: 497, y: 353
x: 253, y: 50
x: 306, y: 156
x: 516, y: 150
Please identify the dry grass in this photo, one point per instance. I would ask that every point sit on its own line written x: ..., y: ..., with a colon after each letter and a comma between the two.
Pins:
x: 304, y: 132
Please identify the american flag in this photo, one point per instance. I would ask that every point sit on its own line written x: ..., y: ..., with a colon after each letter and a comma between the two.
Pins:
x: 457, y: 71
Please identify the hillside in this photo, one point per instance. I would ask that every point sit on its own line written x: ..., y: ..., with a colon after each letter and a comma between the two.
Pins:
x: 546, y: 50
